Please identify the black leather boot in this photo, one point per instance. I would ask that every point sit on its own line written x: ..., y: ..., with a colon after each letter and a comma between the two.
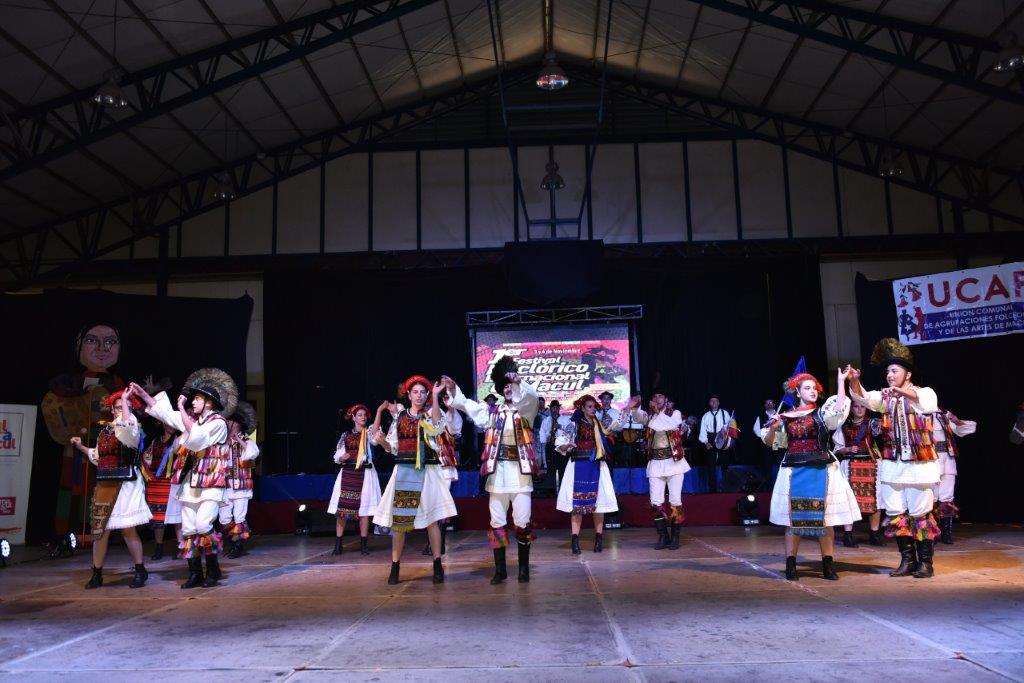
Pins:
x: 791, y: 568
x: 908, y: 558
x: 158, y: 552
x: 438, y: 571
x: 946, y: 525
x: 213, y: 573
x: 925, y: 553
x: 139, y: 580
x: 598, y: 542
x: 827, y: 570
x: 500, y: 569
x: 364, y: 548
x: 237, y: 550
x: 673, y: 535
x: 663, y: 539
x: 875, y: 538
x: 393, y: 576
x: 195, y: 573
x: 338, y: 540
x: 96, y: 580
x: 524, y: 562
x: 848, y: 540
x: 576, y: 544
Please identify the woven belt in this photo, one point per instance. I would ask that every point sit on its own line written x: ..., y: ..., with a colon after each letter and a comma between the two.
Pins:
x: 661, y: 454
x: 510, y: 453
x: 580, y: 455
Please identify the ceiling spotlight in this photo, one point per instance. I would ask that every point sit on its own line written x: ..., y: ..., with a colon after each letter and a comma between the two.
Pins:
x: 552, y: 180
x: 890, y: 166
x: 1011, y: 57
x: 551, y: 76
x: 225, y: 190
x: 110, y: 93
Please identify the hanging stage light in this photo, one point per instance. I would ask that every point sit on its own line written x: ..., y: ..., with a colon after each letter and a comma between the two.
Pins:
x: 890, y: 166
x: 551, y: 76
x: 1011, y: 57
x: 225, y: 190
x: 5, y: 551
x: 110, y: 94
x: 552, y: 180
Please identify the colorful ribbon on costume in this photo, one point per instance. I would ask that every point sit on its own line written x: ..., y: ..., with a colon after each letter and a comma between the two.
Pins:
x: 602, y: 440
x: 363, y: 452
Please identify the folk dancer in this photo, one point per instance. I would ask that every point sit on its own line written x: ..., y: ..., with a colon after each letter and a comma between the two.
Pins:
x: 357, y: 486
x: 909, y: 468
x: 244, y: 452
x: 810, y: 493
x: 418, y: 495
x: 666, y: 465
x: 587, y: 486
x: 119, y: 499
x: 859, y: 455
x: 201, y: 463
x: 508, y: 461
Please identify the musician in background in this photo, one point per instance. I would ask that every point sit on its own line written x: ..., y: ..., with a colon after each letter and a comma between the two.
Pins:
x: 714, y: 427
x: 552, y: 423
x: 607, y: 414
x: 119, y: 499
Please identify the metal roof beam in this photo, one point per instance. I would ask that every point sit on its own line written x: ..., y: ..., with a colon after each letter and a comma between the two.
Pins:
x: 220, y: 67
x: 906, y: 43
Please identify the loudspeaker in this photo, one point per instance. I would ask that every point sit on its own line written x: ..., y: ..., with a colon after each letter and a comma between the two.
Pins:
x: 546, y: 272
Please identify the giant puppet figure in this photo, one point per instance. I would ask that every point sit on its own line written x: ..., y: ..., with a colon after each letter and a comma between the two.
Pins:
x: 72, y: 407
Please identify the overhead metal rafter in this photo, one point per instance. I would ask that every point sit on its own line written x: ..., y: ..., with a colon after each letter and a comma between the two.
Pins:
x: 191, y: 196
x: 221, y: 66
x: 899, y: 42
x: 852, y: 150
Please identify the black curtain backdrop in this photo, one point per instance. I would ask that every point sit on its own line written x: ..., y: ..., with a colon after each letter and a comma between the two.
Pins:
x: 331, y: 339
x: 978, y: 379
x: 167, y: 337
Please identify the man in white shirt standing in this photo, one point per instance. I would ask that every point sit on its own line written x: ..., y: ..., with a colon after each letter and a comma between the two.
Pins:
x: 910, y: 466
x: 714, y: 421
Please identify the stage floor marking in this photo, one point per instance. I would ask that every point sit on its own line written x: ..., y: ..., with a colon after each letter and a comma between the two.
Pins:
x: 627, y: 658
x: 913, y: 635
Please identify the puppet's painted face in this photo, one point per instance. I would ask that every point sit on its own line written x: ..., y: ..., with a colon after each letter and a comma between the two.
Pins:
x: 100, y: 348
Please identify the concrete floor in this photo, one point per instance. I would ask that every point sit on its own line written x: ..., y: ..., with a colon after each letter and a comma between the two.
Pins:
x: 715, y: 609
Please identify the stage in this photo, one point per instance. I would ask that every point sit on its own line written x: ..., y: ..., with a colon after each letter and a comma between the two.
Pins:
x: 716, y: 609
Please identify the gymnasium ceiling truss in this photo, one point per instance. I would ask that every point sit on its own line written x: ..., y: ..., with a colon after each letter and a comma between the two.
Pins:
x: 39, y: 139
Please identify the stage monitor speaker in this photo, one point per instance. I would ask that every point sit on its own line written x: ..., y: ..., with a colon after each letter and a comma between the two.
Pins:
x: 546, y: 272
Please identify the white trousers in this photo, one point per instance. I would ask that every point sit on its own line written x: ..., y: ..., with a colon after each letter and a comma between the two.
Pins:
x: 521, y: 508
x: 675, y: 489
x: 235, y: 510
x: 915, y: 499
x: 197, y: 518
x: 945, y: 488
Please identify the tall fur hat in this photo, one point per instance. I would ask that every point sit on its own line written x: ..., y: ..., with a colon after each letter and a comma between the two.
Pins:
x: 890, y: 351
x: 245, y: 416
x: 505, y: 365
x: 217, y: 385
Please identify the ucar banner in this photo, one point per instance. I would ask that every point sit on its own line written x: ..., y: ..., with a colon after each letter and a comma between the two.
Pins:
x: 979, y: 302
x: 17, y: 437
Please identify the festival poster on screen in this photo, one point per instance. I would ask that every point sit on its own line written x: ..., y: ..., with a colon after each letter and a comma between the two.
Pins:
x: 17, y: 434
x: 979, y: 302
x: 562, y: 362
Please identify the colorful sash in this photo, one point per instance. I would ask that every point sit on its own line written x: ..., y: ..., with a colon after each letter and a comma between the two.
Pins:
x: 863, y: 473
x: 351, y: 490
x: 408, y: 489
x: 807, y: 487
x: 586, y: 478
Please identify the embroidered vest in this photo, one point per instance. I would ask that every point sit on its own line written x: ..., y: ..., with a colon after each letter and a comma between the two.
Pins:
x: 859, y: 435
x: 808, y: 440
x: 208, y: 468
x: 115, y: 461
x: 951, y: 448
x: 492, y: 444
x: 153, y: 456
x: 240, y: 472
x: 900, y: 426
x: 408, y: 437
